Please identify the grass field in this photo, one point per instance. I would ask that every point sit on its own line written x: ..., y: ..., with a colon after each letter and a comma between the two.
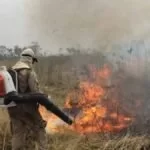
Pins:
x: 59, y: 75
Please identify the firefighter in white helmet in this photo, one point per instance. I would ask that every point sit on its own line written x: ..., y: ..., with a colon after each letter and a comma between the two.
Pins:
x: 27, y: 125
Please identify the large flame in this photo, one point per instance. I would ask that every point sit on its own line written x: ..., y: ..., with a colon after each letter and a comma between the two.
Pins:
x: 97, y: 112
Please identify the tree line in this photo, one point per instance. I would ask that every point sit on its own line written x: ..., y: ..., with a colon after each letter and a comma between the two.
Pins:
x: 16, y: 50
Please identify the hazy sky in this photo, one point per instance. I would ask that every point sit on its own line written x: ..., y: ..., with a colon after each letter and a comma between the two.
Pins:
x: 12, y: 20
x: 78, y: 23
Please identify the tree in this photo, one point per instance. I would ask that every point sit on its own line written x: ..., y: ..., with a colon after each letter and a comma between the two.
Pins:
x: 73, y: 51
x: 10, y: 51
x: 36, y: 48
x: 17, y: 50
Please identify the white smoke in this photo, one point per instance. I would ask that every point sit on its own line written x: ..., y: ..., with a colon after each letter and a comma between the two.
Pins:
x: 88, y: 23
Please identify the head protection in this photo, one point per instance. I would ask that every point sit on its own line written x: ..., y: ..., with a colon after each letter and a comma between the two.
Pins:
x: 29, y: 53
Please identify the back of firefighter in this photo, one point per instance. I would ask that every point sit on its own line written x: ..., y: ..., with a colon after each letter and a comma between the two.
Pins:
x: 27, y: 125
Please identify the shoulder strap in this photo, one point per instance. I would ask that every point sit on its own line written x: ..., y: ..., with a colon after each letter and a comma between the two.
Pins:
x: 14, y: 75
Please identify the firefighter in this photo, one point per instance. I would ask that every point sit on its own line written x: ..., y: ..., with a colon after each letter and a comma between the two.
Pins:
x: 27, y: 125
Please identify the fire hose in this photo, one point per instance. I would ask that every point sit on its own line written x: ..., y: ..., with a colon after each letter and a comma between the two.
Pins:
x: 37, y: 98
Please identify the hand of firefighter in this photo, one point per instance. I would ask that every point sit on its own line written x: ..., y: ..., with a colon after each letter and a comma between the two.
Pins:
x: 8, y: 98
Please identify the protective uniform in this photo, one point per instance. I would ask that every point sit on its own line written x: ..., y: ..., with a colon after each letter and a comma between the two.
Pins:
x: 27, y: 125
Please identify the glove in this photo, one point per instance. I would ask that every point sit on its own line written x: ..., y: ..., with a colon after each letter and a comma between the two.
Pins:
x: 8, y: 97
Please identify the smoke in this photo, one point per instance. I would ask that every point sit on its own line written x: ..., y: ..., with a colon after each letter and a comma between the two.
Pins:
x: 87, y: 23
x: 99, y: 24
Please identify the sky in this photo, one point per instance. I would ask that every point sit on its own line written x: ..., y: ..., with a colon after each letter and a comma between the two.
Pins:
x: 74, y: 23
x: 12, y: 19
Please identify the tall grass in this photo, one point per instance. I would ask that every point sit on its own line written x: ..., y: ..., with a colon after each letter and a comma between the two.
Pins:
x: 58, y: 75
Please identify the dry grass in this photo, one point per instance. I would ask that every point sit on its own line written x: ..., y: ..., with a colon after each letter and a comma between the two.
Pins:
x: 72, y: 141
x: 58, y: 75
x: 97, y: 142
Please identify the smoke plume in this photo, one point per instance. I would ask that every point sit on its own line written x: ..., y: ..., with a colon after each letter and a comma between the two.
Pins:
x: 88, y: 23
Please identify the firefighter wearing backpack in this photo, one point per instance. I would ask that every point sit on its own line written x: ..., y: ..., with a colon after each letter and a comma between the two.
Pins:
x: 27, y: 125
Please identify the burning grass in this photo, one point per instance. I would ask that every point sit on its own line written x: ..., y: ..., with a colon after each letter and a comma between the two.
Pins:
x: 104, y: 111
x: 91, y: 109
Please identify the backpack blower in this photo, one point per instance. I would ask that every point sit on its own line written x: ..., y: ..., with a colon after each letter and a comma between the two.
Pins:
x: 9, y: 96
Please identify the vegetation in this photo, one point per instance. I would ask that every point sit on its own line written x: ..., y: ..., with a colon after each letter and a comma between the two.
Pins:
x: 58, y: 75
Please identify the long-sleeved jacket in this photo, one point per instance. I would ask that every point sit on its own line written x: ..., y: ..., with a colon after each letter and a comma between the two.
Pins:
x: 26, y: 113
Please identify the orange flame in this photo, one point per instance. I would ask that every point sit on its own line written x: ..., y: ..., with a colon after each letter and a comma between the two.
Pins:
x: 97, y: 112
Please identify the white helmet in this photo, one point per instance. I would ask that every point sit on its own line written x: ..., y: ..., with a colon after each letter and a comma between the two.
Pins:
x: 30, y: 53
